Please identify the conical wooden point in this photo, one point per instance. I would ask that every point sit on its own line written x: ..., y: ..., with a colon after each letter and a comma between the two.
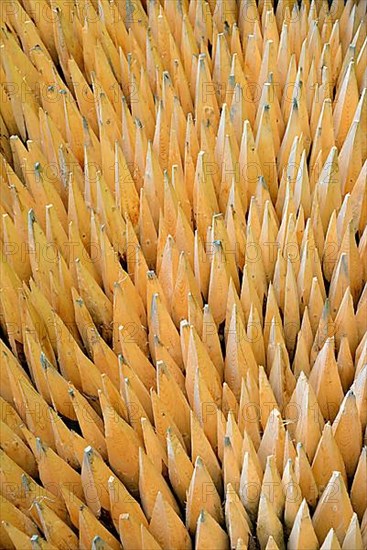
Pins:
x: 183, y: 284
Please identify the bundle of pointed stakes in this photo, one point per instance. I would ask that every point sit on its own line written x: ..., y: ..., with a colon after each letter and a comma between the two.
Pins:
x: 183, y: 274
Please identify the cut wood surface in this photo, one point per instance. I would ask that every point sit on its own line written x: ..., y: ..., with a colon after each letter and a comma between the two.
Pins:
x: 183, y: 274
